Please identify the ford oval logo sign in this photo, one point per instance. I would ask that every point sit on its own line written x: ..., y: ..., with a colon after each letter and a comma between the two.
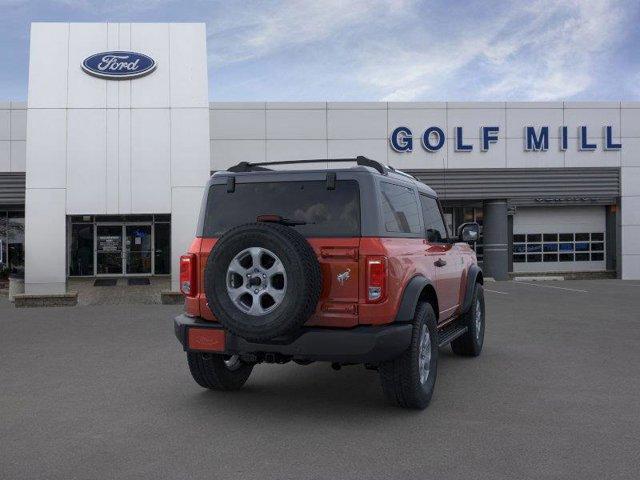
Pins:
x: 118, y: 65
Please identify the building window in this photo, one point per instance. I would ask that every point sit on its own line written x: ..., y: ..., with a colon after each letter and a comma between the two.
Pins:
x: 11, y: 243
x: 163, y: 248
x: 4, y: 265
x: 558, y: 247
x: 81, y: 252
x: 120, y: 244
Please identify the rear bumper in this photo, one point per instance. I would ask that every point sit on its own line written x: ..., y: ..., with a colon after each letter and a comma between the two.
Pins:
x: 365, y: 344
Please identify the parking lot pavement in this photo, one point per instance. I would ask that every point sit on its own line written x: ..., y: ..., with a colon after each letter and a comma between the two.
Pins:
x: 104, y: 392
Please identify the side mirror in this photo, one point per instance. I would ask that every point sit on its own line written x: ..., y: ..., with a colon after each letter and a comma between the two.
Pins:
x: 469, y: 232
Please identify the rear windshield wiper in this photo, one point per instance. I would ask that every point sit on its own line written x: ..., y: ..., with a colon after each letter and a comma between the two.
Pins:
x: 280, y: 219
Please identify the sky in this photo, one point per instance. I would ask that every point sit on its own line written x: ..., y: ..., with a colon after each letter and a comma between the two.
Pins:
x: 377, y: 50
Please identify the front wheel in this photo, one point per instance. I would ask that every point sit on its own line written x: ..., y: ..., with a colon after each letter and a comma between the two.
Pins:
x: 218, y: 372
x: 409, y: 380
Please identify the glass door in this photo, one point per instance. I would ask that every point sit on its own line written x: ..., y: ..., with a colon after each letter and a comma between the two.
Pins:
x: 139, y: 249
x: 162, y: 241
x: 109, y: 250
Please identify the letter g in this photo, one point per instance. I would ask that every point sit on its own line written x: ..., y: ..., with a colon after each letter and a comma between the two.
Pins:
x: 401, y: 139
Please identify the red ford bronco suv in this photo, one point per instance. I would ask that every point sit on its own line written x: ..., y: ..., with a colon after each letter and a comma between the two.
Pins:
x: 347, y: 265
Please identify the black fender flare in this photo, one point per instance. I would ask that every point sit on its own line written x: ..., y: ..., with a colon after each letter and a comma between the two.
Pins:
x: 410, y: 297
x: 473, y: 276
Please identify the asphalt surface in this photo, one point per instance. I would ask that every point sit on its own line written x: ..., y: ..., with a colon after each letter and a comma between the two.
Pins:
x: 104, y: 392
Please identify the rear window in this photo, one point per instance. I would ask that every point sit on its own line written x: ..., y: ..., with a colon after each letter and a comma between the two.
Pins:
x: 328, y: 213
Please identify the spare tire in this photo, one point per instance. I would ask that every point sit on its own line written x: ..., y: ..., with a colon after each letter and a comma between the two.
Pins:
x: 262, y: 281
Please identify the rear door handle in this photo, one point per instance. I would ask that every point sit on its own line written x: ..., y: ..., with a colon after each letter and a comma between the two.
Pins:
x: 440, y: 263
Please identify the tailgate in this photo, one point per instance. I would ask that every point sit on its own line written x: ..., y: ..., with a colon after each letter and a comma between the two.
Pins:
x: 338, y: 305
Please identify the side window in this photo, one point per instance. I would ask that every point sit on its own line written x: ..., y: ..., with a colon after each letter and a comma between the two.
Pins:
x: 433, y: 223
x: 399, y: 209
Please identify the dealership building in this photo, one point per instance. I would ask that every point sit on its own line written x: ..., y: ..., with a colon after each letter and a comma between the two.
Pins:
x: 102, y: 169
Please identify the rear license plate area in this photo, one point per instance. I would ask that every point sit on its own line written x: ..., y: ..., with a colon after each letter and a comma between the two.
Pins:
x: 206, y: 339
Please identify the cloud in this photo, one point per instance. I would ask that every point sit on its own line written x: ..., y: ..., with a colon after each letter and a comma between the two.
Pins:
x: 263, y: 28
x: 564, y: 46
x: 104, y: 7
x: 390, y: 50
x: 409, y: 50
x: 546, y: 51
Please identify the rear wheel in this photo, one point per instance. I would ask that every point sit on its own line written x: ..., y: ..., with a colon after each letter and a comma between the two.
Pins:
x: 470, y: 344
x: 409, y: 380
x: 218, y: 372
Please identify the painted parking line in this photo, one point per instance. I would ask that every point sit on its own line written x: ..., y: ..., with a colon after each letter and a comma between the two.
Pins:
x: 495, y: 291
x: 552, y: 286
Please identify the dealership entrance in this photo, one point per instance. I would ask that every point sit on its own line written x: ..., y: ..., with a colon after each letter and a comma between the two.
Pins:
x: 123, y: 249
x: 112, y: 246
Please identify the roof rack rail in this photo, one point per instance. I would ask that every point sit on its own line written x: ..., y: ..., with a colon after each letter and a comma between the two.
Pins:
x: 400, y: 172
x: 260, y: 166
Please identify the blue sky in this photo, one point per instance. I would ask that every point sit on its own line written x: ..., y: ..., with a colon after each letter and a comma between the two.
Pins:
x: 378, y: 49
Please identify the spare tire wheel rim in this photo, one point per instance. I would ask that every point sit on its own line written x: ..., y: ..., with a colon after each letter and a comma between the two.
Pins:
x: 256, y: 281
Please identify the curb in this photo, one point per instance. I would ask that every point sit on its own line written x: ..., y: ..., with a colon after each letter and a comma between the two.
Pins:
x: 23, y: 300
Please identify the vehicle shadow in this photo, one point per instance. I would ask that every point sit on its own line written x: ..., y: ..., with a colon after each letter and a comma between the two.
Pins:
x: 310, y: 391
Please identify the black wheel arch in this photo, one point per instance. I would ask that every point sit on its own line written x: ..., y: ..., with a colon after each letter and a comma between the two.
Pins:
x: 473, y: 276
x: 419, y: 288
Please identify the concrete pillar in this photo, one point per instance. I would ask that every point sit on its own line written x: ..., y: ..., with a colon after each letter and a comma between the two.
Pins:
x: 610, y: 237
x: 495, y: 239
x: 185, y: 207
x: 45, y: 241
x: 630, y: 222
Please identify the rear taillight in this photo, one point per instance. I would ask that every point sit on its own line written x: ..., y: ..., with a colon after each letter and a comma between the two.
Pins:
x: 376, y: 279
x: 188, y: 270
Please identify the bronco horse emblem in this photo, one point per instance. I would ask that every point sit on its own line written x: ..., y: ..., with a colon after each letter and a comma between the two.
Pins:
x: 344, y: 276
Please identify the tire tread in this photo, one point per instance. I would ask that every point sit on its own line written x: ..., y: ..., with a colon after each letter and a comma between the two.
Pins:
x: 400, y: 378
x: 210, y: 372
x: 465, y: 345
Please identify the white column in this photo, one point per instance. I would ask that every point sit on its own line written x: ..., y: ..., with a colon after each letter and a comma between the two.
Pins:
x: 189, y: 174
x: 630, y: 194
x: 190, y: 158
x: 45, y: 204
x: 184, y: 219
x: 45, y: 241
x: 630, y: 221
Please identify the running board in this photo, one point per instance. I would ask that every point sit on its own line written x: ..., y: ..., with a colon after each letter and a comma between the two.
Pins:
x: 450, y: 334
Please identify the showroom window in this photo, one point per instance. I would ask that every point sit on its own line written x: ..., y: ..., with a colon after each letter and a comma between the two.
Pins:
x: 81, y: 251
x: 558, y: 247
x: 11, y: 243
x: 115, y: 245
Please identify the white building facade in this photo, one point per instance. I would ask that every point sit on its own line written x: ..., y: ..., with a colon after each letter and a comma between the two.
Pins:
x: 100, y: 147
x: 115, y: 168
